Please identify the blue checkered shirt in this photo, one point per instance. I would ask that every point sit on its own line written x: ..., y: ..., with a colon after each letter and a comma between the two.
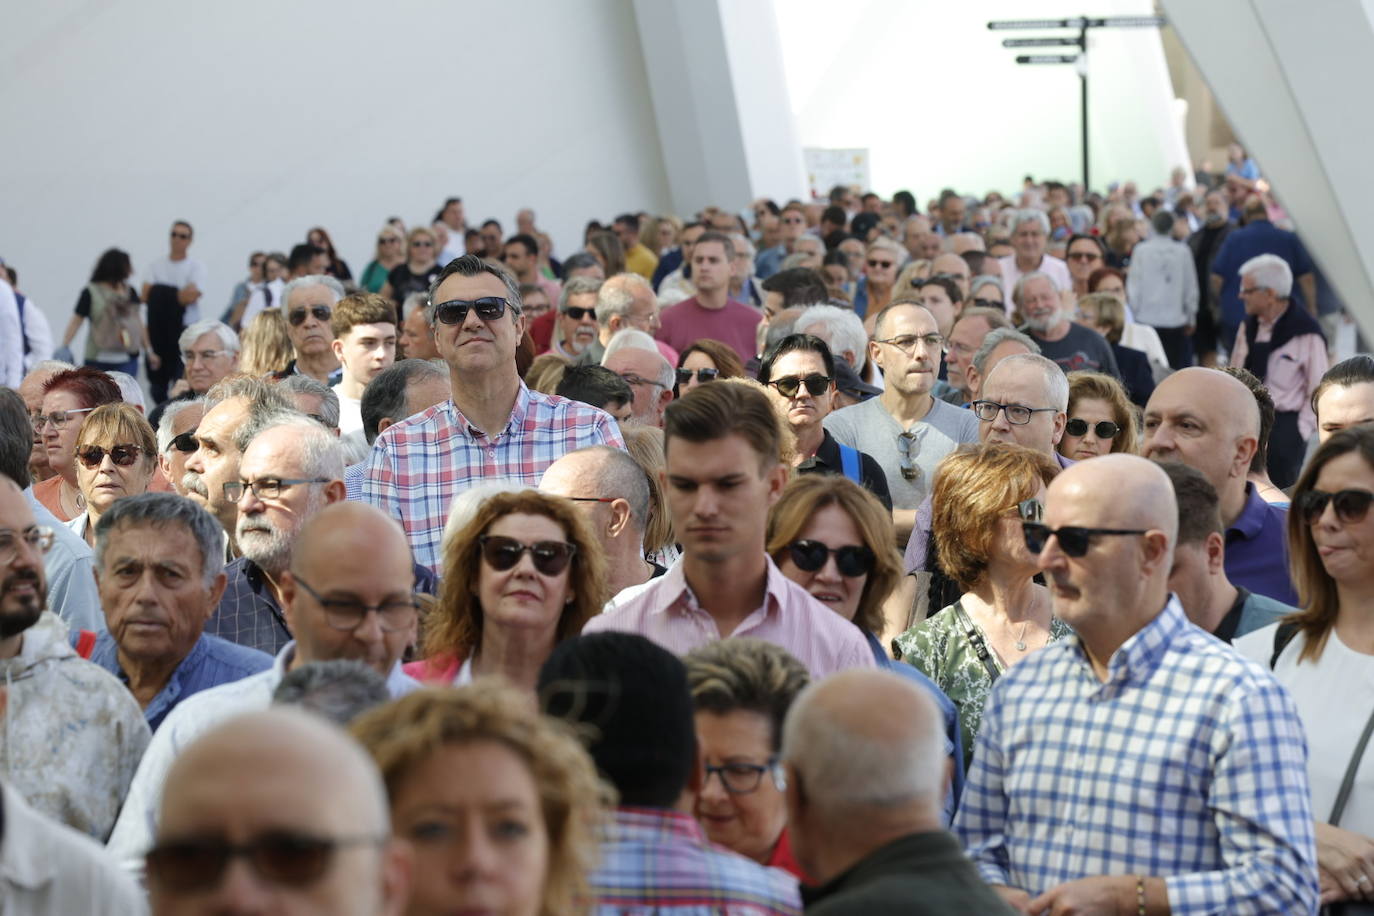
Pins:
x: 1189, y: 763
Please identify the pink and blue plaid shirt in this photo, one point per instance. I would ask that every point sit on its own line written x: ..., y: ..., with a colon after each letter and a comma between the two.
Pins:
x: 418, y: 465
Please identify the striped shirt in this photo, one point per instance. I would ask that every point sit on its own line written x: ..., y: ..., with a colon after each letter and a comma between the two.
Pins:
x: 418, y: 465
x: 1188, y: 763
x: 658, y: 861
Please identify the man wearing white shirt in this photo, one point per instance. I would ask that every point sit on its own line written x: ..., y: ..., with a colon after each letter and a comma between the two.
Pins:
x: 11, y: 337
x: 172, y: 309
x: 364, y: 326
x: 1029, y: 232
x: 265, y: 294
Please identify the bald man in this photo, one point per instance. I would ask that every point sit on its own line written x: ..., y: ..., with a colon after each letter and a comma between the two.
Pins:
x: 864, y: 753
x: 1142, y: 765
x: 243, y: 801
x: 1210, y: 421
x: 349, y: 554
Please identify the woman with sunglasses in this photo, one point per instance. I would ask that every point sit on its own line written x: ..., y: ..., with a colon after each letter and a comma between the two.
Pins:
x: 389, y: 254
x: 116, y: 456
x: 418, y: 269
x: 705, y: 361
x: 523, y: 575
x: 1101, y: 420
x: 68, y: 398
x: 499, y: 804
x: 1324, y: 654
x: 982, y: 495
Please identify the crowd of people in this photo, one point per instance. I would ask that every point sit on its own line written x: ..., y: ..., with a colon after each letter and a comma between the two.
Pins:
x: 1002, y: 555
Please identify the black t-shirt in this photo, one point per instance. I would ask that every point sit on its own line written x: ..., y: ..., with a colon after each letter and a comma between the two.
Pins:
x: 403, y: 282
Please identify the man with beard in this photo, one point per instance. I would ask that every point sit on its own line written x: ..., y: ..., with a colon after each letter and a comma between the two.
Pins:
x: 1070, y: 345
x: 73, y: 735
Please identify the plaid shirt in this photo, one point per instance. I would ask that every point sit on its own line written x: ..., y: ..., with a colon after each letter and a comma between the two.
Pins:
x: 248, y: 613
x: 659, y: 861
x: 1189, y: 763
x: 418, y: 465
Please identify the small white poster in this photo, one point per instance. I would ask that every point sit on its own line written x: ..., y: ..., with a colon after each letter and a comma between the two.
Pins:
x: 826, y: 168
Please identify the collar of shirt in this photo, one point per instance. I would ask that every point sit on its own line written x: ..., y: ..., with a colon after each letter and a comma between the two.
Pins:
x: 515, y: 421
x: 679, y: 597
x: 1251, y: 519
x: 827, y: 454
x: 106, y: 654
x: 1138, y: 656
x: 1226, y: 630
x: 660, y: 823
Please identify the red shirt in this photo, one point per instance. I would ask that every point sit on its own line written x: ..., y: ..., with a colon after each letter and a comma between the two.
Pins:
x: 688, y: 321
x: 782, y: 858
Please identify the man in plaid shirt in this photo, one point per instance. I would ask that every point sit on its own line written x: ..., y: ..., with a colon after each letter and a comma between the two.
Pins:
x: 1141, y: 766
x: 494, y: 428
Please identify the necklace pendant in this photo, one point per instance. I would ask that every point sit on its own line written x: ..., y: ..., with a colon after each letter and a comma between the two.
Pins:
x: 1020, y: 646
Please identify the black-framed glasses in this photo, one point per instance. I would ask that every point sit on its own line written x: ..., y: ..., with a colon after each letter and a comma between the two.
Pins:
x: 264, y: 487
x: 815, y: 384
x: 577, y: 313
x: 739, y: 778
x: 1074, y: 541
x: 1104, y: 429
x: 455, y: 311
x: 322, y: 314
x: 191, y: 356
x: 907, y: 343
x: 347, y: 614
x: 591, y: 499
x: 1351, y: 505
x: 122, y: 455
x: 852, y: 560
x: 38, y: 538
x: 184, y: 442
x: 703, y: 375
x: 1017, y: 414
x: 632, y: 378
x: 58, y: 418
x: 281, y: 857
x: 550, y: 557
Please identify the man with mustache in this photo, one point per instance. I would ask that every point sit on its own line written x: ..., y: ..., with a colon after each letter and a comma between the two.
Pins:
x: 72, y: 735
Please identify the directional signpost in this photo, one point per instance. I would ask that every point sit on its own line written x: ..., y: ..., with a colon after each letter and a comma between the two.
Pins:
x: 1080, y: 58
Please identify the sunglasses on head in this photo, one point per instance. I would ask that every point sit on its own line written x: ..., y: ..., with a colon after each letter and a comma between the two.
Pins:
x: 577, y: 314
x: 322, y: 314
x: 289, y: 859
x: 122, y: 455
x: 1073, y: 541
x: 852, y: 560
x: 1351, y: 505
x: 455, y: 311
x: 703, y: 375
x: 550, y: 557
x: 184, y: 442
x: 815, y: 384
x: 1105, y: 429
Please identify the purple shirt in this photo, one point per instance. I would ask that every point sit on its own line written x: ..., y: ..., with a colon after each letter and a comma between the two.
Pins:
x: 1257, y: 550
x: 688, y: 321
x: 667, y: 612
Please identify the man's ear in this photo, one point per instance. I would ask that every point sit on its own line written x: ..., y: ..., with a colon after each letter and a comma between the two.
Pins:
x: 1060, y: 420
x: 620, y: 517
x: 337, y: 346
x: 1215, y: 546
x: 335, y: 491
x: 216, y: 593
x: 384, y: 423
x: 1157, y: 552
x: 1246, y: 446
x: 286, y: 585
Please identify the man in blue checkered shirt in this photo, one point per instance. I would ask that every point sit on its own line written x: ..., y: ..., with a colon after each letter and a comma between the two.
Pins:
x: 1142, y: 766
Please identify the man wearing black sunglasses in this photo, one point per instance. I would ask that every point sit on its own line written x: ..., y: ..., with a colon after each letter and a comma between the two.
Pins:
x: 176, y: 439
x: 308, y: 305
x: 1207, y: 745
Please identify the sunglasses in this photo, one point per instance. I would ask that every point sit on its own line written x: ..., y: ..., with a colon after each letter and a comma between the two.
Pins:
x: 882, y: 264
x: 703, y: 375
x: 1084, y: 256
x: 1105, y: 429
x: 455, y: 311
x: 122, y: 455
x: 789, y: 385
x: 293, y: 860
x: 181, y: 235
x: 421, y: 244
x: 185, y: 442
x: 577, y: 314
x: 1073, y: 541
x: 550, y: 557
x: 1351, y: 505
x: 852, y: 561
x: 990, y: 303
x: 322, y: 313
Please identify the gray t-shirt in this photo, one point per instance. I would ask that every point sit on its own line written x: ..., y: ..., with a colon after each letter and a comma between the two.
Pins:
x: 1081, y: 348
x: 869, y: 428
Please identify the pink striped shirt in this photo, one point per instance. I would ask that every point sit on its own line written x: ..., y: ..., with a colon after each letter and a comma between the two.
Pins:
x: 667, y: 612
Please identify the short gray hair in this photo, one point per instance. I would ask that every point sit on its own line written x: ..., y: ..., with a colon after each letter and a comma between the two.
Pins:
x: 159, y: 509
x: 334, y: 286
x: 617, y: 296
x: 129, y: 388
x: 227, y: 338
x: 983, y: 280
x: 1030, y: 214
x: 1056, y: 382
x: 340, y: 690
x: 303, y: 384
x: 620, y: 475
x: 321, y: 450
x: 844, y: 331
x: 1270, y: 272
x: 386, y: 395
x: 417, y: 300
x: 579, y: 286
x: 257, y: 392
x: 999, y: 336
x: 168, y: 420
x: 633, y: 339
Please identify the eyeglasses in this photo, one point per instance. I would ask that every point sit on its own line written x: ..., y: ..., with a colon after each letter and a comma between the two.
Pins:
x: 322, y: 313
x: 852, y: 560
x: 881, y: 264
x: 184, y: 442
x: 741, y: 778
x: 1017, y: 415
x: 990, y: 303
x: 1104, y: 429
x: 1084, y: 256
x: 1351, y: 505
x: 550, y: 557
x: 181, y: 235
x: 703, y: 375
x: 348, y: 614
x: 290, y: 859
x: 455, y: 311
x: 591, y: 499
x: 122, y: 455
x: 1073, y: 541
x: 190, y: 356
x: 633, y: 379
x: 421, y: 244
x: 1252, y: 290
x: 58, y: 418
x: 907, y: 343
x: 265, y: 487
x: 39, y: 539
x: 815, y: 384
x: 577, y: 314
x: 388, y: 240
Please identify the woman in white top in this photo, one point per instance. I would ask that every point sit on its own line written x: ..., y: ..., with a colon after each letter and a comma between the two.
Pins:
x: 116, y: 455
x: 1328, y: 661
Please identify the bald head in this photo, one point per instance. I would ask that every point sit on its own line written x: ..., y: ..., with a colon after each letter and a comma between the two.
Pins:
x: 1220, y: 389
x: 601, y: 472
x: 350, y: 532
x: 1127, y: 492
x: 1210, y: 421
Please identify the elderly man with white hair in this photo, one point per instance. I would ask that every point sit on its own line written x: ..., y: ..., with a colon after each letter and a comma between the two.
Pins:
x: 176, y: 440
x: 863, y: 753
x: 1283, y: 346
x: 1073, y: 346
x: 1030, y: 229
x: 308, y: 306
x: 842, y: 331
x: 624, y: 301
x: 634, y: 356
x: 209, y: 351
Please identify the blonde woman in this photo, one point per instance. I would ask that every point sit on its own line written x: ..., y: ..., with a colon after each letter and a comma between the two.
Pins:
x: 267, y: 347
x: 390, y: 253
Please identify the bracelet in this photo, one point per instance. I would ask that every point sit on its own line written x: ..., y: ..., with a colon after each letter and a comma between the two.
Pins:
x: 1140, y: 895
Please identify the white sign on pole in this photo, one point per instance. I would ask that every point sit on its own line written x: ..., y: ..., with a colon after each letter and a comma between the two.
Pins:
x: 826, y: 168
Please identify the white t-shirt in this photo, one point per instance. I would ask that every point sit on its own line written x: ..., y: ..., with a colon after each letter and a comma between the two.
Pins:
x: 350, y: 412
x: 1334, y: 695
x: 179, y: 274
x: 257, y: 301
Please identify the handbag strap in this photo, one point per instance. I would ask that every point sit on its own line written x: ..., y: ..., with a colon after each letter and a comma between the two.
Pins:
x: 975, y: 639
x: 1348, y: 783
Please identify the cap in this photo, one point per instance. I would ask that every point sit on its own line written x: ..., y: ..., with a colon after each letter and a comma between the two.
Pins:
x: 848, y: 381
